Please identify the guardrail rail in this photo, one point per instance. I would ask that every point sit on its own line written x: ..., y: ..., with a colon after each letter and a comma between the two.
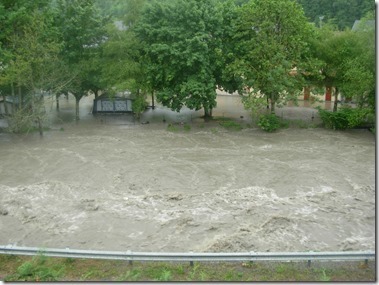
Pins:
x: 191, y: 256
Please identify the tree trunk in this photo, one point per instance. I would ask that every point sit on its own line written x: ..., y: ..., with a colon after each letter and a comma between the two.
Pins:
x: 335, y: 106
x: 272, y: 104
x: 6, y: 111
x: 307, y: 92
x: 40, y: 126
x: 57, y: 100
x: 6, y: 105
x: 328, y: 93
x: 206, y: 112
x: 77, y: 99
x: 20, y: 103
x: 152, y: 100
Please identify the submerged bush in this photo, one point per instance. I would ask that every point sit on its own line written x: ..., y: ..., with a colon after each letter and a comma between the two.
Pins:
x: 269, y: 122
x: 345, y: 118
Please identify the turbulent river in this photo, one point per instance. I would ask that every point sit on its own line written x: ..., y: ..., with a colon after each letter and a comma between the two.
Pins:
x: 109, y: 183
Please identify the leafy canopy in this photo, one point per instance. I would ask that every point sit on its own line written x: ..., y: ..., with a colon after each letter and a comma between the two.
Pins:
x: 181, y: 42
x: 271, y: 39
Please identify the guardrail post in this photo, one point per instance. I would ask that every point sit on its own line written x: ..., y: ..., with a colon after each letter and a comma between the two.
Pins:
x: 309, y: 263
x: 191, y: 262
x: 366, y: 262
x: 251, y: 257
x: 129, y: 258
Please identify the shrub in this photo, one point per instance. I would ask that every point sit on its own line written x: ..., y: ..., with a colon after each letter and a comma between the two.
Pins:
x: 269, y: 122
x: 345, y: 118
x: 139, y: 105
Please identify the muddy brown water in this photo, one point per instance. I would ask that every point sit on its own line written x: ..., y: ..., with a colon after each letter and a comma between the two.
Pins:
x: 109, y: 183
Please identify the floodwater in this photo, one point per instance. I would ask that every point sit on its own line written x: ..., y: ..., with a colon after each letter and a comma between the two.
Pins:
x: 110, y: 183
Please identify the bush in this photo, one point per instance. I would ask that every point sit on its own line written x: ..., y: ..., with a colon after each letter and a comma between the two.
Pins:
x: 269, y: 122
x: 345, y: 118
x: 139, y: 105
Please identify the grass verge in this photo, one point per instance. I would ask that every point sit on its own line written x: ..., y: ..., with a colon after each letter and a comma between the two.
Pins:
x: 22, y: 268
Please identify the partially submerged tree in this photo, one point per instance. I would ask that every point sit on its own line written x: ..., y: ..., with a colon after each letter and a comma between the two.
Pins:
x: 82, y: 32
x: 348, y: 62
x: 32, y: 64
x: 122, y: 61
x: 182, y: 46
x: 360, y: 69
x: 271, y: 40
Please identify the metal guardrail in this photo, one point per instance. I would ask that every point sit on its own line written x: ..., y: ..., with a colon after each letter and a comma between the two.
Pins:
x: 191, y: 256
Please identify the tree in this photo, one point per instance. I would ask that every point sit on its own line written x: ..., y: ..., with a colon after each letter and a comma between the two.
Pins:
x: 271, y: 40
x: 359, y: 70
x: 31, y: 61
x: 348, y: 62
x: 182, y: 48
x: 123, y: 64
x: 82, y: 32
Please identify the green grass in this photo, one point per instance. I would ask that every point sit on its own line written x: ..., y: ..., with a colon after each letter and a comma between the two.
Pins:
x: 178, y: 127
x: 36, y: 269
x: 231, y: 125
x: 172, y: 128
x: 40, y: 268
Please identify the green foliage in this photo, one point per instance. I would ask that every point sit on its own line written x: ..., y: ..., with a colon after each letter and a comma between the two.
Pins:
x: 130, y: 275
x: 109, y: 270
x: 177, y: 127
x: 271, y: 38
x: 231, y: 125
x: 182, y: 45
x: 345, y: 118
x: 81, y: 29
x: 172, y: 128
x: 347, y: 62
x: 324, y: 277
x: 255, y: 103
x: 359, y: 74
x: 139, y: 105
x: 36, y: 270
x: 122, y: 62
x: 187, y: 127
x: 165, y: 275
x: 269, y: 122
